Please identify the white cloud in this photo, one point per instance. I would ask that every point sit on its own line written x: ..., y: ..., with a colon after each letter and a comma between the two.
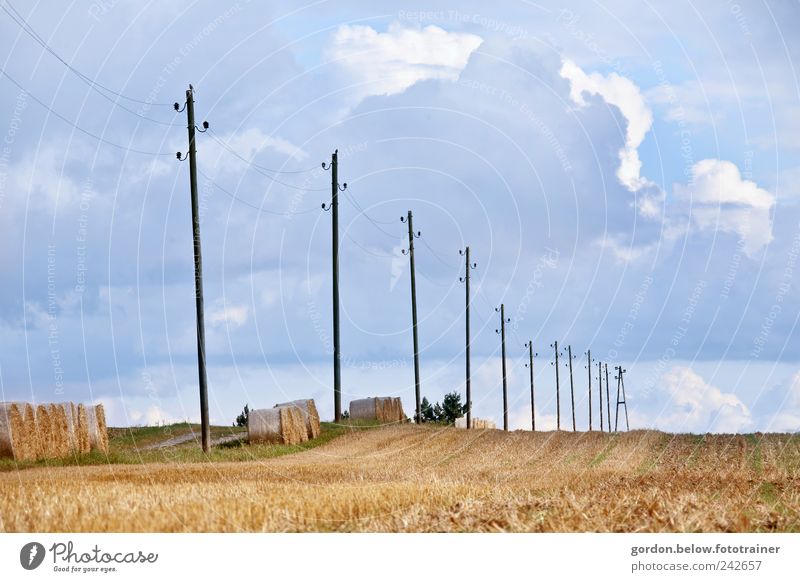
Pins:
x: 248, y: 143
x: 625, y: 95
x: 691, y: 102
x: 391, y: 62
x: 235, y: 315
x: 520, y: 419
x: 625, y: 250
x: 722, y: 200
x: 697, y: 406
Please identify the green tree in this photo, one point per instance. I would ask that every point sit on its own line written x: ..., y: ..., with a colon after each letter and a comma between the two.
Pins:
x: 451, y: 408
x: 241, y: 420
x: 426, y: 410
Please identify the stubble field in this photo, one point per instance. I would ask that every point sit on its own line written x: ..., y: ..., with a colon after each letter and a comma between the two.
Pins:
x: 407, y: 478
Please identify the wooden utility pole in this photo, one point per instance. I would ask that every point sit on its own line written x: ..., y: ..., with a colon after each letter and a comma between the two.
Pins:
x: 589, y: 368
x: 502, y: 332
x: 608, y: 400
x: 465, y: 279
x: 600, y: 390
x: 411, y: 236
x: 529, y: 345
x: 624, y: 401
x: 571, y: 388
x: 554, y: 345
x: 337, y: 347
x: 198, y: 269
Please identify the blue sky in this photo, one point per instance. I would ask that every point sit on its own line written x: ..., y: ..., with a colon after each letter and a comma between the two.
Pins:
x: 625, y: 175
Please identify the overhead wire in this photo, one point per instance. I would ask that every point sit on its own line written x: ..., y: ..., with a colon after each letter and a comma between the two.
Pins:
x: 250, y: 162
x: 366, y: 250
x: 30, y: 31
x: 78, y: 127
x: 250, y: 204
x: 375, y: 223
x: 438, y: 256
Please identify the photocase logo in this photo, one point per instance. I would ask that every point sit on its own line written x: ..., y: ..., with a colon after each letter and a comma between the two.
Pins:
x: 31, y: 555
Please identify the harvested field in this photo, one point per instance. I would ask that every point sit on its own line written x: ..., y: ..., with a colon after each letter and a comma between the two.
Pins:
x: 409, y: 478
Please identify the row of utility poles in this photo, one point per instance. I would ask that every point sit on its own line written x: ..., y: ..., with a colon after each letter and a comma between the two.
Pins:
x: 620, y: 371
x: 333, y: 207
x: 468, y: 267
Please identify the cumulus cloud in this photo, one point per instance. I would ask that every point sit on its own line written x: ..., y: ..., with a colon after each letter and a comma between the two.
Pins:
x: 234, y: 315
x: 696, y: 406
x: 722, y: 200
x: 625, y: 95
x: 390, y: 62
x: 248, y: 143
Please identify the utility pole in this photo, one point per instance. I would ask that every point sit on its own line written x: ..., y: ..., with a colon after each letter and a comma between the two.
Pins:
x: 600, y: 390
x: 529, y: 345
x: 608, y: 400
x: 589, y: 368
x: 624, y: 401
x: 411, y: 236
x: 337, y: 347
x: 571, y: 388
x: 554, y: 345
x: 198, y: 268
x: 465, y: 279
x: 502, y: 332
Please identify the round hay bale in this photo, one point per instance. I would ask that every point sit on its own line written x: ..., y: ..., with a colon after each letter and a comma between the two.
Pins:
x: 71, y: 416
x: 83, y: 429
x: 308, y: 409
x: 13, y: 441
x: 363, y: 409
x: 96, y: 424
x: 264, y: 426
x: 44, y: 429
x: 60, y: 430
x: 101, y: 424
x: 293, y: 426
x: 31, y: 433
x: 282, y: 424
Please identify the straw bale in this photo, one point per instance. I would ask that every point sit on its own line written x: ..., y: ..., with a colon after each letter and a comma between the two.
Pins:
x: 363, y: 409
x: 383, y: 409
x: 13, y: 441
x: 310, y: 415
x: 282, y: 424
x: 293, y: 425
x: 84, y: 446
x: 96, y: 423
x: 71, y: 416
x: 60, y: 430
x: 44, y: 430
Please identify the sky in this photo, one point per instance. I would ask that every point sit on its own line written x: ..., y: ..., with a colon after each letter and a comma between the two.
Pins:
x: 625, y: 174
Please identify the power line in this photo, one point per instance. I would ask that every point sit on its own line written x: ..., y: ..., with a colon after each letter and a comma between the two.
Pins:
x: 366, y: 250
x: 230, y: 150
x: 374, y: 222
x: 29, y: 30
x: 437, y: 256
x: 250, y: 204
x: 78, y: 127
